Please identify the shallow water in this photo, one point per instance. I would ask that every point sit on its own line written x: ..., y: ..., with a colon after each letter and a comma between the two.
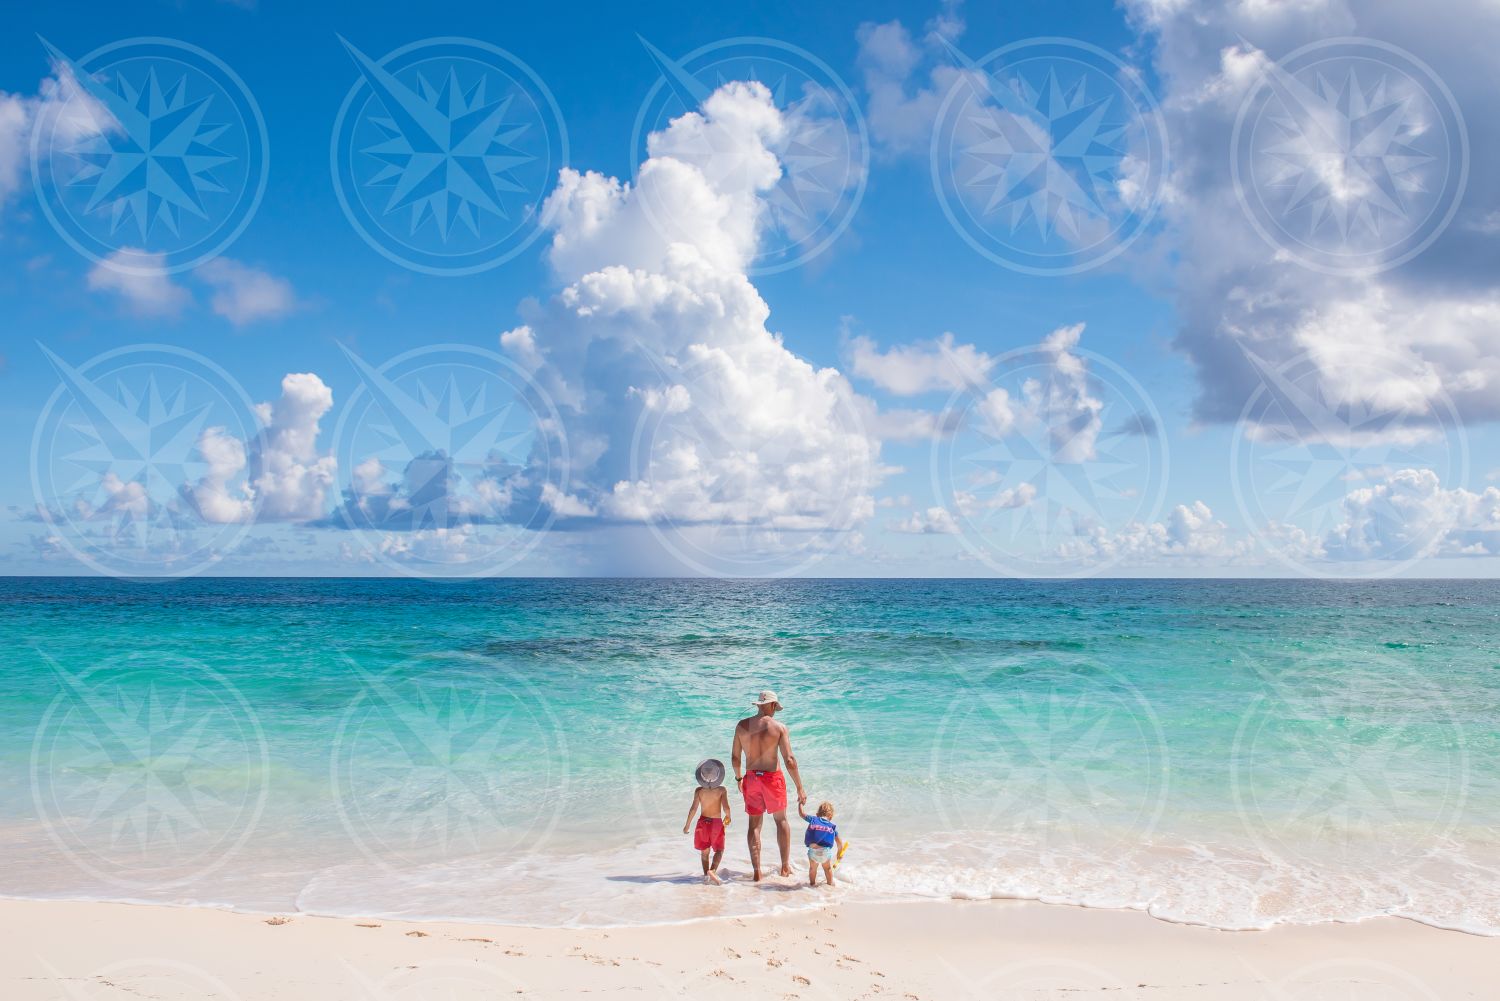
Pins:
x: 1228, y: 753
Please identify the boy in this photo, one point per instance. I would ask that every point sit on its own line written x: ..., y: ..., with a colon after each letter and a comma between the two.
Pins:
x: 822, y: 839
x: 711, y: 803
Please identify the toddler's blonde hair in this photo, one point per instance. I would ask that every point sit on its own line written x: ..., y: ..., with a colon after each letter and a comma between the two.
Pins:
x: 825, y: 810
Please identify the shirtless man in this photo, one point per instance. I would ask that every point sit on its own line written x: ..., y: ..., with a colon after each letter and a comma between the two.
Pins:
x: 759, y: 740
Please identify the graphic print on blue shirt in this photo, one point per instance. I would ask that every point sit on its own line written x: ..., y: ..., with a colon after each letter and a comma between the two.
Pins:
x: 820, y: 832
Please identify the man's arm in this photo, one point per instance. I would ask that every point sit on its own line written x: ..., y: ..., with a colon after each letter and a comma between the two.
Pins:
x: 791, y: 766
x: 688, y: 824
x: 734, y: 755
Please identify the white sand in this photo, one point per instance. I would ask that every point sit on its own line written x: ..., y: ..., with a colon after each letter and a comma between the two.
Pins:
x: 936, y: 950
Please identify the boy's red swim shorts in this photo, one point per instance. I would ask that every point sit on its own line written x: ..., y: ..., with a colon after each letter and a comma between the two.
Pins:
x: 764, y: 792
x: 709, y: 834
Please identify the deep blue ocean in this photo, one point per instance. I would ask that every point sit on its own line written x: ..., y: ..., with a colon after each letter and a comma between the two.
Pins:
x: 1233, y: 753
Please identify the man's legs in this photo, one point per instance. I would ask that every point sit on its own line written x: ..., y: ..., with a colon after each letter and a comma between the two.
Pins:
x: 783, y: 841
x: 752, y: 838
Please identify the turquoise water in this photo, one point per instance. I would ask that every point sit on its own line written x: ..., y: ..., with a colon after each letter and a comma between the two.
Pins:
x: 1236, y: 754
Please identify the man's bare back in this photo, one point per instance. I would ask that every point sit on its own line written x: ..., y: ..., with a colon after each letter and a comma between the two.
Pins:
x: 760, y: 738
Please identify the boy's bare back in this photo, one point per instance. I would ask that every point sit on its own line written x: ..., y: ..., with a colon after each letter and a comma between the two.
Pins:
x: 711, y: 802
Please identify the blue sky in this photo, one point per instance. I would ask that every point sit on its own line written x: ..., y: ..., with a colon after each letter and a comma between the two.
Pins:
x: 1166, y: 337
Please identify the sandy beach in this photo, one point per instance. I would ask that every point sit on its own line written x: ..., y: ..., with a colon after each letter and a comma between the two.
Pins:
x: 992, y: 949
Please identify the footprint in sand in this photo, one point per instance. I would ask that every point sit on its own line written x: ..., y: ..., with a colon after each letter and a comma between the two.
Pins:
x: 278, y: 920
x: 366, y: 926
x: 416, y: 934
x: 803, y: 981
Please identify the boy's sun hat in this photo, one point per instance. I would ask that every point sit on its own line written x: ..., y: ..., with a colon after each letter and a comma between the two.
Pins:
x: 710, y: 773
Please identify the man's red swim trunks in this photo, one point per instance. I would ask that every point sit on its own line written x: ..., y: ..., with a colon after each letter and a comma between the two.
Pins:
x: 709, y: 834
x: 764, y: 792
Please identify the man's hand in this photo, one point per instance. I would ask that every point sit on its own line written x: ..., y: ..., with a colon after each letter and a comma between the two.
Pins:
x: 686, y: 828
x: 801, y: 799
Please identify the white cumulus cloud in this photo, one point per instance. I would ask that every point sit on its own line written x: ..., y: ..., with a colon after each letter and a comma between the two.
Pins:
x: 140, y: 280
x: 1190, y: 532
x: 925, y: 366
x: 280, y: 475
x: 243, y: 294
x: 679, y: 403
x: 932, y: 521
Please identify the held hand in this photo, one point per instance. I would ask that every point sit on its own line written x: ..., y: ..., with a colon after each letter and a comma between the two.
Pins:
x: 801, y: 799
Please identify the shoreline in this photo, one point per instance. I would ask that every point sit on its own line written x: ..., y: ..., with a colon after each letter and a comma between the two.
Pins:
x: 910, y: 949
x: 775, y: 913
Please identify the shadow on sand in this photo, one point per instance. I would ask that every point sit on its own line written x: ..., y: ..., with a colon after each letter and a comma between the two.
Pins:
x: 770, y: 882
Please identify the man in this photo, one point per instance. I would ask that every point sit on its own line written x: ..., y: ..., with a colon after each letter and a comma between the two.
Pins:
x: 759, y: 740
